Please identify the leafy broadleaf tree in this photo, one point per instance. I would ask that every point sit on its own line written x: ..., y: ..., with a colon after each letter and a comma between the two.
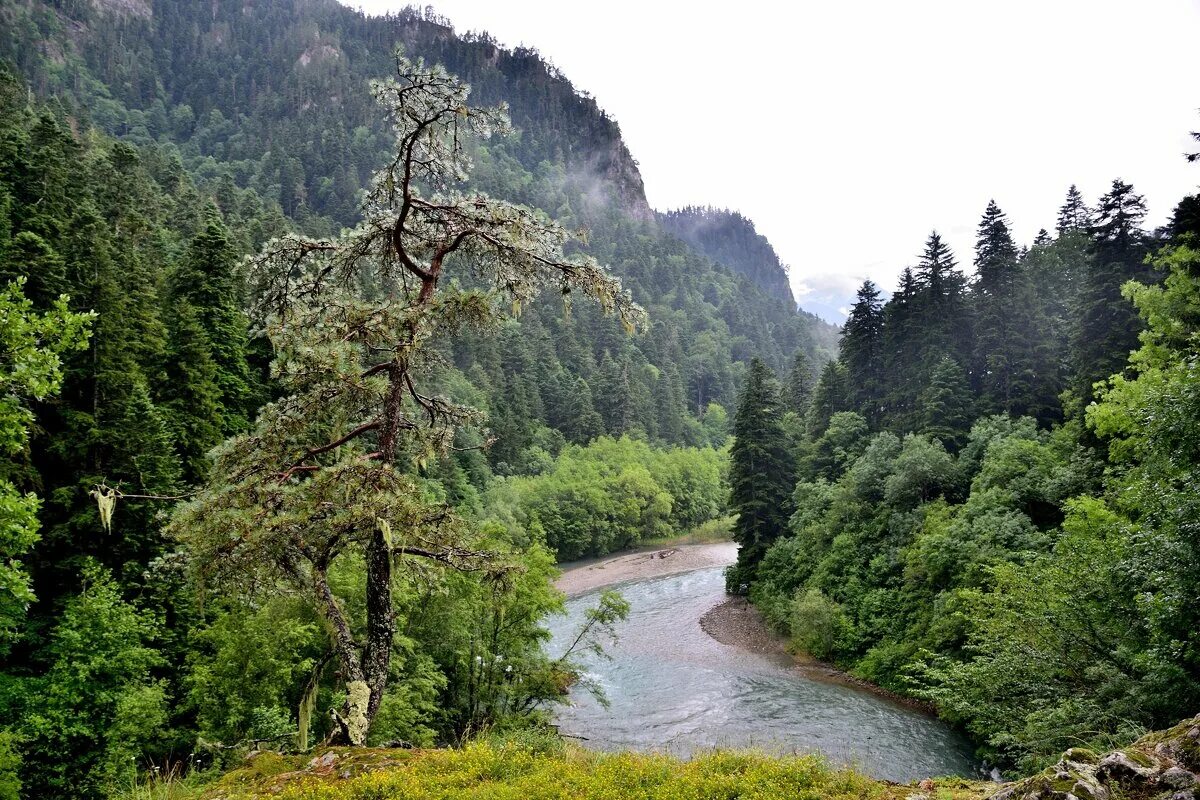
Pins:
x: 325, y: 473
x: 31, y: 347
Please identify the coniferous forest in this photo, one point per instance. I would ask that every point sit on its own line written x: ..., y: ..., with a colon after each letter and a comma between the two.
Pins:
x: 327, y: 337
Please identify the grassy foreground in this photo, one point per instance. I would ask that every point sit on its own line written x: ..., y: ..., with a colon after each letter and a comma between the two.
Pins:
x: 511, y: 770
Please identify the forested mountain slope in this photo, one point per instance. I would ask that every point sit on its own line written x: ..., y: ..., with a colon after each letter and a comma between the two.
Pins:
x: 730, y: 239
x: 990, y: 501
x: 144, y: 149
x: 273, y: 96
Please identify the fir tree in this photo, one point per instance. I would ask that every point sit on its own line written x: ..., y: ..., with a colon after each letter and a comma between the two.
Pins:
x: 946, y: 402
x: 797, y: 394
x: 1073, y: 214
x: 206, y: 281
x: 902, y: 344
x: 194, y: 406
x: 761, y: 473
x: 831, y: 395
x: 1003, y: 318
x: 1108, y: 325
x: 861, y: 352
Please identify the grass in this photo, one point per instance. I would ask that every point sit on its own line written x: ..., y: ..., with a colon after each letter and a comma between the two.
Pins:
x: 521, y: 771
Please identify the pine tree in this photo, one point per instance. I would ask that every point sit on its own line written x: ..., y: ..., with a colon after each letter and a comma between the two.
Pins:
x: 1073, y: 214
x: 1108, y: 325
x: 861, y: 352
x: 761, y: 473
x: 797, y: 394
x: 946, y: 402
x: 193, y: 406
x: 206, y: 281
x: 831, y: 395
x: 1003, y: 318
x: 940, y: 305
x: 902, y: 344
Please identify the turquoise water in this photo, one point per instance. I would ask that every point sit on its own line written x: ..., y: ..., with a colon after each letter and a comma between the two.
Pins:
x: 673, y: 688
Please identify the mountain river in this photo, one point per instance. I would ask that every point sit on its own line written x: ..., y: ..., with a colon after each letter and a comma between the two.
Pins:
x: 671, y: 687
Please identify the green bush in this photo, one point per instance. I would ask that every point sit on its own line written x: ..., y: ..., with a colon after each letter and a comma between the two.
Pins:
x: 818, y: 624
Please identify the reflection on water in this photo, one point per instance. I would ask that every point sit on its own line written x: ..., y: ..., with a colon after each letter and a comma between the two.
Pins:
x: 672, y: 687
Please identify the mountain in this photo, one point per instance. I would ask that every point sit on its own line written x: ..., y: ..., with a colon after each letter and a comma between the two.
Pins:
x: 730, y: 239
x: 274, y: 97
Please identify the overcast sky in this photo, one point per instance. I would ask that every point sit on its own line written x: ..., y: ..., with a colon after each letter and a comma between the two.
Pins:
x: 848, y: 130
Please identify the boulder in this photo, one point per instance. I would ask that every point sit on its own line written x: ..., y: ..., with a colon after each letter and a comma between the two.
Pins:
x: 1160, y: 766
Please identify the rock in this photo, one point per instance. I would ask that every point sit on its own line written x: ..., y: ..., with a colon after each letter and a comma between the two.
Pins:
x: 1119, y: 765
x: 1164, y: 766
x: 323, y: 761
x: 1177, y: 778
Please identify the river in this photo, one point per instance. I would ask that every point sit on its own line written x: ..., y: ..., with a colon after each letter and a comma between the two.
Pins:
x: 673, y: 688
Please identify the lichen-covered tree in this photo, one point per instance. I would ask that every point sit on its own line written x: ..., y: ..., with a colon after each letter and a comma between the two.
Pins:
x: 326, y: 472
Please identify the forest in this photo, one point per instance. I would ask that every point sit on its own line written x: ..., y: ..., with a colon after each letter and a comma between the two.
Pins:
x: 328, y: 337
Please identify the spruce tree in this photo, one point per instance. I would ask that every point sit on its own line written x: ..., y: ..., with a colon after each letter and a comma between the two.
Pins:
x: 1108, y: 325
x: 902, y: 342
x: 831, y: 395
x: 1003, y: 317
x: 861, y: 352
x: 797, y: 393
x: 193, y: 406
x: 946, y: 405
x: 761, y: 473
x: 206, y: 280
x: 1073, y: 214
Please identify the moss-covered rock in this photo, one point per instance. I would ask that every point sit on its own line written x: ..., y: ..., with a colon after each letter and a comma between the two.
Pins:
x: 1159, y: 766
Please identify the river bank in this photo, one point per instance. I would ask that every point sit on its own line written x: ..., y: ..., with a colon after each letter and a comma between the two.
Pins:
x: 735, y: 622
x: 585, y: 576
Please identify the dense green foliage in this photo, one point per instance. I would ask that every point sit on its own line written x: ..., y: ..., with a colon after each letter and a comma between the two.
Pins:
x: 982, y: 501
x: 761, y: 473
x: 153, y: 152
x: 1036, y: 584
x: 612, y: 494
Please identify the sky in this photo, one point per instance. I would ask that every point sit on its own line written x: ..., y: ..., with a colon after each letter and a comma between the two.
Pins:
x: 848, y: 130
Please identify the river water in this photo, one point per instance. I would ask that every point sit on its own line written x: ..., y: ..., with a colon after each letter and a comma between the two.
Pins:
x: 671, y: 687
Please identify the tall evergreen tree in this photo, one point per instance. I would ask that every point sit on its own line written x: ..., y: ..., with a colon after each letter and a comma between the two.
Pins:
x: 761, y: 473
x: 207, y: 280
x: 861, y: 352
x: 1004, y: 321
x: 946, y: 402
x: 831, y: 395
x: 797, y: 393
x: 1073, y: 214
x: 1108, y: 325
x: 902, y: 344
x: 940, y: 304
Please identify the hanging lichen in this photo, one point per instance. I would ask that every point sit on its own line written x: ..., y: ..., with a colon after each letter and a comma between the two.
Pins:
x: 106, y: 502
x: 385, y: 528
x: 304, y: 713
